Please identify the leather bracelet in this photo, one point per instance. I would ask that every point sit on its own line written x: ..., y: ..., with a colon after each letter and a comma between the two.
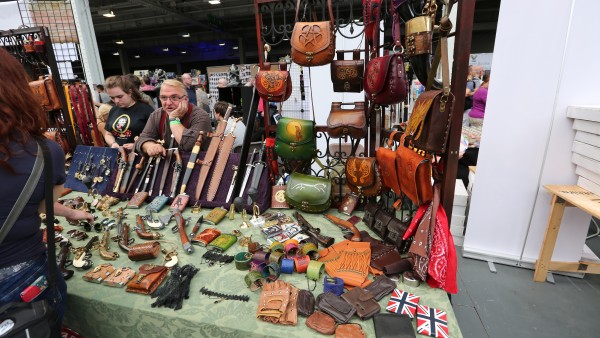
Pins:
x: 257, y: 266
x: 271, y: 272
x: 276, y: 247
x: 242, y: 260
x: 334, y: 285
x: 287, y: 266
x: 410, y: 278
x: 291, y: 247
x: 311, y: 250
x: 254, y: 280
x: 276, y: 257
x: 301, y: 263
x: 261, y: 256
x: 315, y: 270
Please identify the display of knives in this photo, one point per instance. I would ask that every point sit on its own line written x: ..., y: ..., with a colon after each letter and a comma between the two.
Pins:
x: 259, y: 165
x: 191, y: 162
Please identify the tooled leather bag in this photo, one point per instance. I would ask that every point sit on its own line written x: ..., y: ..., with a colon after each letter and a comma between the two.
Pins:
x: 385, y: 79
x: 148, y: 279
x: 308, y: 193
x: 274, y: 85
x: 45, y: 91
x: 347, y: 122
x: 347, y: 75
x: 313, y: 43
x: 386, y: 158
x: 295, y: 139
x: 144, y: 251
x: 414, y: 174
x: 362, y: 176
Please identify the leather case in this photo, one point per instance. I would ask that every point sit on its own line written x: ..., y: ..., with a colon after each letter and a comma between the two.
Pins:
x: 385, y: 79
x: 366, y: 307
x: 216, y: 215
x: 362, y: 176
x: 180, y: 202
x: 313, y: 43
x: 429, y: 124
x: 347, y: 122
x: 419, y: 31
x: 348, y: 204
x: 336, y: 307
x: 144, y: 251
x: 137, y: 200
x: 99, y: 273
x: 206, y: 236
x: 148, y: 279
x: 274, y: 85
x: 382, y: 219
x: 222, y: 243
x: 369, y: 216
x: 395, y: 230
x: 389, y: 325
x: 295, y: 139
x: 350, y: 330
x: 306, y: 303
x: 308, y: 193
x: 119, y: 278
x: 46, y: 93
x: 157, y: 203
x: 278, y: 198
x: 414, y: 174
x: 347, y: 75
x: 321, y: 322
x: 381, y: 287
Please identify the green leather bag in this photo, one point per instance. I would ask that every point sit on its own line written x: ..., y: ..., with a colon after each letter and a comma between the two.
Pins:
x: 295, y: 139
x: 308, y: 193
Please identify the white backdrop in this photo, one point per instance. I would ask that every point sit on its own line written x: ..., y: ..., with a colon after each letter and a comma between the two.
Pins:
x: 544, y: 60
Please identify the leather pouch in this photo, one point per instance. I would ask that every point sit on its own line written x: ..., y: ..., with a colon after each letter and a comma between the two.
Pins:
x: 99, y: 273
x: 366, y: 307
x: 148, y: 279
x: 274, y: 85
x: 295, y: 139
x: 222, y: 243
x: 349, y: 331
x: 419, y: 31
x: 321, y: 322
x: 381, y: 287
x: 382, y: 219
x: 216, y: 215
x: 347, y: 122
x: 308, y: 193
x: 137, y: 200
x: 414, y: 174
x: 157, y: 203
x: 306, y: 303
x: 119, y: 278
x: 429, y: 123
x: 278, y: 197
x: 144, y: 251
x: 336, y: 307
x: 362, y: 176
x: 369, y: 216
x: 389, y: 325
x: 347, y: 75
x: 206, y: 236
x: 395, y: 231
x: 313, y: 43
x: 46, y: 93
x: 180, y: 202
x: 385, y: 79
x: 348, y: 204
x: 386, y: 158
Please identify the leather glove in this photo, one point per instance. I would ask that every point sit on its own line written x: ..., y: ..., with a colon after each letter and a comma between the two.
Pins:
x: 273, y: 301
x: 290, y: 317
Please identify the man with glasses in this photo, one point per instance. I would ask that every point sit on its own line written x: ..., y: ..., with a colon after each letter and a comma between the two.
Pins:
x: 178, y: 122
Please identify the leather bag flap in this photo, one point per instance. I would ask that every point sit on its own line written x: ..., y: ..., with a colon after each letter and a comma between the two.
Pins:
x: 376, y: 73
x: 361, y: 171
x: 311, y: 37
x: 296, y: 131
x: 307, y: 189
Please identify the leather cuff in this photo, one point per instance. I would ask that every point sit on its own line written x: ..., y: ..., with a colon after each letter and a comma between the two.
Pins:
x: 242, y: 260
x: 315, y: 270
x: 271, y: 272
x: 287, y: 266
x: 301, y: 263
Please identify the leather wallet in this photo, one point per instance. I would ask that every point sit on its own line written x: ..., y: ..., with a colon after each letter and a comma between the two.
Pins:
x: 99, y: 273
x: 348, y: 204
x: 222, y: 243
x: 144, y: 251
x: 321, y: 322
x: 148, y: 279
x: 180, y: 202
x: 216, y: 215
x: 362, y: 300
x: 381, y: 287
x: 157, y: 203
x: 349, y: 331
x: 206, y: 236
x: 389, y: 325
x: 306, y: 303
x: 119, y: 278
x: 137, y: 200
x: 335, y: 306
x: 278, y: 197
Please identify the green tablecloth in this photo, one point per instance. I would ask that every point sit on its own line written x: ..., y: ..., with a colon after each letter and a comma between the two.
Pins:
x: 99, y: 311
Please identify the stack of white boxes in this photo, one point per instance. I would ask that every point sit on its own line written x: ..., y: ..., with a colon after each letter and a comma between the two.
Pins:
x: 586, y: 146
x: 457, y: 226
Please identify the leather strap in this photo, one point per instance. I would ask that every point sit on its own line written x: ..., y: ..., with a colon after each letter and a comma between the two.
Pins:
x: 441, y: 53
x: 329, y: 8
x: 315, y: 270
x: 287, y: 266
x: 301, y: 263
x: 242, y: 260
x: 271, y: 272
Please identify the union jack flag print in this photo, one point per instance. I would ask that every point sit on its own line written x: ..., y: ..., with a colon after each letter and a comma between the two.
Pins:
x: 403, y: 303
x: 432, y: 322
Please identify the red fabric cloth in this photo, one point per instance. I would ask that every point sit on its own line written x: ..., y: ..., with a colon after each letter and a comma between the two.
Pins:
x: 415, y: 221
x: 442, y: 256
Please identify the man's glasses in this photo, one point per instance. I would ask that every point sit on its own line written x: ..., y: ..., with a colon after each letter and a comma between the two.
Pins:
x: 174, y: 99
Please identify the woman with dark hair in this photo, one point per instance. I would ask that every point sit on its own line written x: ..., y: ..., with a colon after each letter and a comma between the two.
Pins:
x: 128, y: 117
x: 23, y: 253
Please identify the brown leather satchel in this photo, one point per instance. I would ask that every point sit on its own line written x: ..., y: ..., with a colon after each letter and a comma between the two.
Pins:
x: 347, y: 75
x: 148, y: 279
x: 274, y: 85
x: 386, y: 158
x: 347, y: 122
x: 144, y: 251
x: 362, y: 176
x: 321, y: 322
x: 414, y: 173
x: 349, y: 330
x: 385, y: 79
x: 313, y: 43
x: 46, y: 93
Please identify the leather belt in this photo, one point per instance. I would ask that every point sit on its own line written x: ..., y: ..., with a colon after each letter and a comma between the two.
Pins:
x: 311, y: 250
x: 271, y: 272
x: 276, y: 257
x: 287, y: 266
x: 254, y: 280
x: 276, y: 247
x: 301, y: 263
x: 242, y: 260
x: 315, y: 270
x: 334, y: 285
x: 261, y: 256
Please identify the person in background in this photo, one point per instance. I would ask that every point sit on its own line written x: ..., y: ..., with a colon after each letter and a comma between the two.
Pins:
x: 177, y: 123
x: 203, y: 99
x: 146, y: 84
x: 186, y: 78
x: 222, y: 83
x: 127, y: 118
x: 138, y: 84
x: 102, y: 97
x: 479, y: 102
x: 23, y: 256
x: 240, y: 128
x: 102, y: 116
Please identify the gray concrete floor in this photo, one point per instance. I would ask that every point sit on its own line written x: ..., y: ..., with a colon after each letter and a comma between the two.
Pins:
x: 510, y: 304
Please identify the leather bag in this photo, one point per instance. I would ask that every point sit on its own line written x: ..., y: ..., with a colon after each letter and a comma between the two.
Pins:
x: 414, y: 174
x: 381, y: 287
x: 306, y: 303
x: 419, y: 31
x: 308, y: 193
x: 385, y: 79
x: 274, y: 85
x: 45, y: 91
x: 386, y: 158
x: 347, y: 75
x: 335, y: 306
x: 321, y: 322
x: 347, y: 122
x: 382, y: 219
x: 371, y: 209
x: 349, y: 330
x: 362, y: 176
x: 295, y: 139
x: 313, y: 43
x: 366, y: 307
x: 144, y: 251
x: 395, y: 231
x: 148, y: 279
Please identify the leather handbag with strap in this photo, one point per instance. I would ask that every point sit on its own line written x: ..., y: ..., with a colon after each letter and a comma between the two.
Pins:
x: 308, y: 193
x: 295, y: 139
x: 347, y: 75
x: 362, y: 176
x: 274, y: 85
x: 414, y: 174
x: 45, y: 90
x: 386, y: 158
x: 347, y: 122
x: 313, y: 42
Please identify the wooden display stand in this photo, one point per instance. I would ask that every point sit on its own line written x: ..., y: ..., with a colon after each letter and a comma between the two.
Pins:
x: 565, y: 196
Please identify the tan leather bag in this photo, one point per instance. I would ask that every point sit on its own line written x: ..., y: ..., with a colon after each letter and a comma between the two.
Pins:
x: 148, y: 280
x: 347, y: 122
x: 144, y: 251
x: 362, y: 176
x: 313, y: 42
x: 46, y: 93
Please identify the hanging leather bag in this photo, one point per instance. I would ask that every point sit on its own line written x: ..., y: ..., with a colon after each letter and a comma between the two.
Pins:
x: 347, y: 75
x: 46, y: 93
x: 295, y: 139
x: 274, y: 85
x: 313, y: 42
x: 414, y: 174
x: 362, y: 176
x: 347, y: 122
x: 386, y: 158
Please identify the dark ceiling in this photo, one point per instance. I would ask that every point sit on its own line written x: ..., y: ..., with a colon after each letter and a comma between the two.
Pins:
x: 218, y: 33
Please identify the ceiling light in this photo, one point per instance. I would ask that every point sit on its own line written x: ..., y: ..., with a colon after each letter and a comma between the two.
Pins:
x: 165, y: 49
x: 120, y: 42
x: 222, y: 44
x: 116, y: 53
x: 185, y: 35
x: 286, y: 39
x: 136, y: 56
x: 107, y: 13
x: 183, y: 52
x: 214, y: 2
x: 235, y: 47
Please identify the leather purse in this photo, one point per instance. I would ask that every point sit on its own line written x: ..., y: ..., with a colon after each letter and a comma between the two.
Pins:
x: 362, y: 176
x: 99, y: 273
x: 119, y: 278
x: 385, y: 79
x: 278, y: 197
x: 295, y: 139
x: 335, y: 306
x: 349, y: 330
x: 313, y: 43
x: 382, y: 219
x: 386, y: 158
x: 381, y: 287
x: 144, y: 251
x: 222, y: 243
x: 321, y: 322
x: 347, y: 75
x: 429, y: 123
x: 347, y: 122
x: 274, y: 85
x: 306, y: 303
x: 383, y: 256
x: 414, y: 174
x: 366, y: 307
x: 45, y: 91
x: 148, y: 279
x: 308, y: 193
x: 206, y: 236
x: 390, y: 325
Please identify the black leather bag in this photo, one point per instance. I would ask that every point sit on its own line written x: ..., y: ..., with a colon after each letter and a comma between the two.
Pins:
x: 306, y: 303
x: 336, y: 307
x: 35, y: 319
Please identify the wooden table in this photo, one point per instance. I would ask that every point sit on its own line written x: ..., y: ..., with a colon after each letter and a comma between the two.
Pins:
x: 565, y: 196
